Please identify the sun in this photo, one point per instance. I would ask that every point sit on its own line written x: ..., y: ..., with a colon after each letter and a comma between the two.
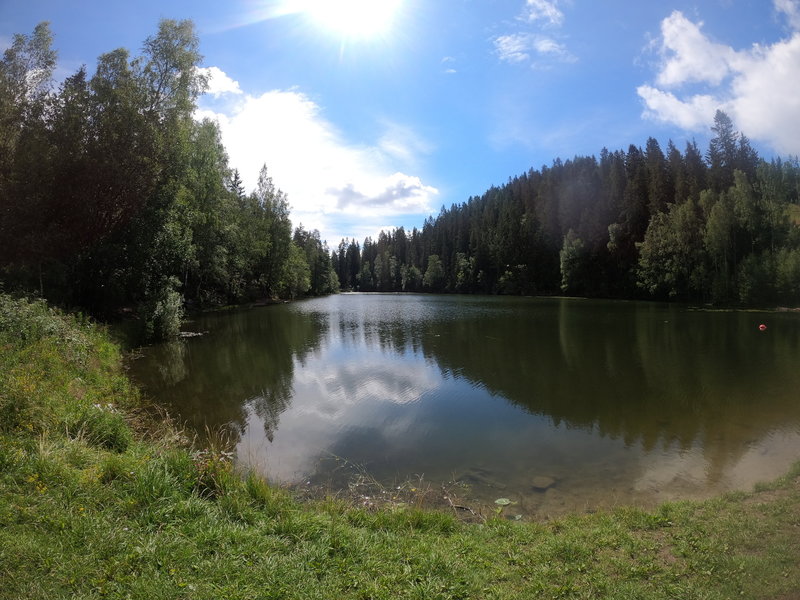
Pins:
x: 354, y: 18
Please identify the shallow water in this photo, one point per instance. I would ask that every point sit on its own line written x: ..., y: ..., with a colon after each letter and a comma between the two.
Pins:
x: 558, y: 404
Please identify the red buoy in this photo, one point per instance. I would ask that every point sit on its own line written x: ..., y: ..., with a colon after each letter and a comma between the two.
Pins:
x: 762, y: 327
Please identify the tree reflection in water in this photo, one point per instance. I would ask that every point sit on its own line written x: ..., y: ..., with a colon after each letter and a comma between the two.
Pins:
x: 244, y: 360
x: 401, y: 382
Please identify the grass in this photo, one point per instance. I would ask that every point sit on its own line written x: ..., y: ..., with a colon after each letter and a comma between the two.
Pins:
x: 97, y: 501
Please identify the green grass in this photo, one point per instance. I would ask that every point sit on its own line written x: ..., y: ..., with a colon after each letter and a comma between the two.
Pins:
x: 95, y: 503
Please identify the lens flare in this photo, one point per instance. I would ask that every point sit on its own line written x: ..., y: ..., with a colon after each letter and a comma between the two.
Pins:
x: 354, y: 18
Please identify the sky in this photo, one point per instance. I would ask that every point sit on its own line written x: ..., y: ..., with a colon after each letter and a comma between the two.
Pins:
x: 373, y: 114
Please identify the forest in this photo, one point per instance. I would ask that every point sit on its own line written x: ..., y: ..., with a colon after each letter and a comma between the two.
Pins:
x: 720, y: 228
x: 115, y: 201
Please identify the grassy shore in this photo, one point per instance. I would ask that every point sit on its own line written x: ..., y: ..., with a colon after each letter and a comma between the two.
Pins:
x: 100, y: 500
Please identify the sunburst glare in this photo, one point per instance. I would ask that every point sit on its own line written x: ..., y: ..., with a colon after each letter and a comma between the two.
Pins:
x: 353, y: 18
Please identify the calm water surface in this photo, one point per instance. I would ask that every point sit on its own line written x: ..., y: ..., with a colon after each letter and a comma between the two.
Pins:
x: 558, y: 404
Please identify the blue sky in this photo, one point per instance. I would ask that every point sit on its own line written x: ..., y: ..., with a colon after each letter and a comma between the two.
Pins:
x: 372, y: 115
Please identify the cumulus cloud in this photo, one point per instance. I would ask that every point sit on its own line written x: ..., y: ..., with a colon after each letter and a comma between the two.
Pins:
x: 756, y: 86
x: 324, y: 175
x: 690, y: 55
x: 399, y: 193
x: 219, y: 83
x: 327, y: 397
x: 693, y: 114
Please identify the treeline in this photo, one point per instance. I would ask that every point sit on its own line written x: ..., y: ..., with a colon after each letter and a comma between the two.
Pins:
x: 719, y: 227
x: 113, y: 198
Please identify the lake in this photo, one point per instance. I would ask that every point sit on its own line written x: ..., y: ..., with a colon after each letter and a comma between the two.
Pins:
x: 558, y: 404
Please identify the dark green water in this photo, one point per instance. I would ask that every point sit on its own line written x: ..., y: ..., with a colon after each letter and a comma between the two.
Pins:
x: 613, y: 402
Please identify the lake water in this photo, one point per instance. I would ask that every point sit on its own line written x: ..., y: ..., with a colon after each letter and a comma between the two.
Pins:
x: 558, y: 404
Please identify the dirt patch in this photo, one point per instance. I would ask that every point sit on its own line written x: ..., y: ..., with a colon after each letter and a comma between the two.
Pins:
x: 666, y: 555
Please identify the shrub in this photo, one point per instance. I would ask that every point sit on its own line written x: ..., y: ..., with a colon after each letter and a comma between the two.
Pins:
x: 162, y: 314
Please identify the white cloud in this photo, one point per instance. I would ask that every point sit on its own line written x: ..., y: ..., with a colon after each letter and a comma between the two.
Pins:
x: 218, y: 82
x: 693, y: 114
x: 400, y: 193
x: 765, y: 103
x: 325, y: 176
x: 526, y: 47
x: 547, y: 46
x: 756, y: 86
x: 544, y: 10
x: 513, y: 48
x: 329, y: 396
x: 791, y: 8
x: 531, y: 46
x: 690, y: 55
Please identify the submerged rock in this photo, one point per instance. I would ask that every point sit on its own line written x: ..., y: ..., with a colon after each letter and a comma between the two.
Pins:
x: 478, y: 477
x: 542, y: 483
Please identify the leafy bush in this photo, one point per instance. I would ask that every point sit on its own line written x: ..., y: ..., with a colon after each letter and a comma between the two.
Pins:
x: 163, y: 313
x: 788, y: 275
x: 755, y: 279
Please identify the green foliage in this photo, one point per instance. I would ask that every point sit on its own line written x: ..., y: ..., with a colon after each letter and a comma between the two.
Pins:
x: 26, y: 72
x: 788, y: 274
x: 573, y: 260
x: 346, y: 262
x: 755, y: 277
x: 366, y: 283
x: 672, y: 259
x: 162, y: 314
x: 411, y: 278
x: 139, y: 208
x: 640, y: 223
x: 434, y: 274
x: 48, y: 359
x: 297, y: 278
x: 322, y: 277
x: 464, y: 268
